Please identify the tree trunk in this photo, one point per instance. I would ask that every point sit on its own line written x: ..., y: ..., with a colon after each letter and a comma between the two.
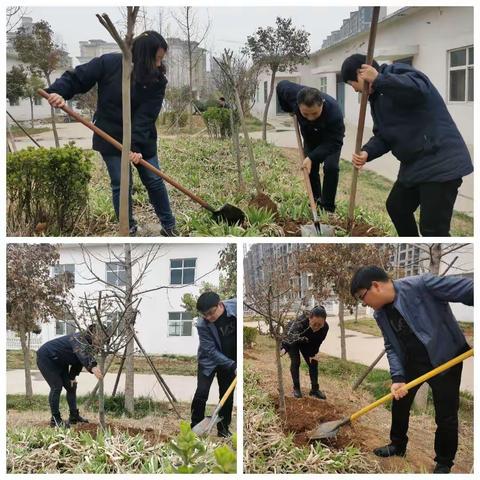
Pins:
x: 31, y: 112
x: 52, y: 114
x: 22, y: 335
x: 281, y: 389
x: 101, y: 393
x: 267, y: 105
x: 190, y: 69
x: 356, y: 313
x: 341, y: 320
x: 129, y: 317
x: 236, y: 150
x: 124, y: 227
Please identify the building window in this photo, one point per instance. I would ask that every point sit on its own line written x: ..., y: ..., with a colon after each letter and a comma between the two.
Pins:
x: 460, y: 75
x: 67, y: 271
x: 116, y: 274
x: 265, y: 92
x: 65, y: 326
x: 37, y: 100
x: 115, y: 324
x: 182, y: 271
x: 14, y: 102
x: 179, y: 324
x: 323, y: 84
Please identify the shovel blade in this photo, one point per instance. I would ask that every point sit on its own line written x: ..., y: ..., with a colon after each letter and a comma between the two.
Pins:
x: 230, y: 214
x: 205, y: 426
x: 327, y: 429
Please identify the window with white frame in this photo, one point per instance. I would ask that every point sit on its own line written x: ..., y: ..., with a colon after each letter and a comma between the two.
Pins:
x: 180, y: 324
x: 65, y: 325
x: 182, y: 271
x: 116, y: 274
x: 460, y: 75
x: 37, y: 100
x: 67, y: 271
x: 265, y: 92
x: 323, y: 84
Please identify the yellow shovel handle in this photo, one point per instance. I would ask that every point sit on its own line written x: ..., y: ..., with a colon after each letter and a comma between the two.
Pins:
x: 414, y: 383
x: 228, y: 392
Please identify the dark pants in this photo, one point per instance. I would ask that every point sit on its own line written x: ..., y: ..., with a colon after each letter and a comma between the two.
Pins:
x: 445, y: 390
x: 57, y: 378
x: 224, y: 379
x: 157, y: 191
x: 294, y: 353
x: 325, y: 195
x: 436, y: 201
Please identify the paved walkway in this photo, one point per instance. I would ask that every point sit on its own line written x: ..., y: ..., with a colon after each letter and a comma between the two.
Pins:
x: 182, y: 387
x: 364, y: 349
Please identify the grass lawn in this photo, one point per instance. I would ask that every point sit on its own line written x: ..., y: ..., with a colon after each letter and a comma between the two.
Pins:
x: 166, y: 364
x: 17, y: 132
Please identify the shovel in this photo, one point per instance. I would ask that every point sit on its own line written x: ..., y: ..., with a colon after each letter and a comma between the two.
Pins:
x: 205, y: 426
x: 229, y: 213
x: 330, y: 429
x: 316, y: 229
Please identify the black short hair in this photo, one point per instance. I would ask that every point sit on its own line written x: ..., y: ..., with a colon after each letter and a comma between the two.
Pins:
x: 364, y: 277
x: 207, y: 300
x: 222, y: 99
x: 351, y: 64
x: 309, y: 97
x: 144, y: 51
x: 318, y: 311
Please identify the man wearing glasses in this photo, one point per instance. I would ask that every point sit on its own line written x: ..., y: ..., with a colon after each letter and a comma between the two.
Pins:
x: 217, y: 355
x: 420, y: 333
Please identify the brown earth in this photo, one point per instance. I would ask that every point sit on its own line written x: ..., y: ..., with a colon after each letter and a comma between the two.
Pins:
x: 366, y: 433
x: 264, y: 201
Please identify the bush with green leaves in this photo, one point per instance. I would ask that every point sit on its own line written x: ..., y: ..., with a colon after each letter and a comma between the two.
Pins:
x: 249, y: 336
x: 217, y: 121
x: 47, y: 186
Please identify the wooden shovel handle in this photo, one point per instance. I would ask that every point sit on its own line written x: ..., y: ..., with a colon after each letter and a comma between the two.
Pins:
x: 118, y: 146
x: 306, y: 177
x: 228, y: 393
x: 414, y: 383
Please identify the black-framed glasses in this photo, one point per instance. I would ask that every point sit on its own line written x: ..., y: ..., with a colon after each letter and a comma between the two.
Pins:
x: 361, y: 297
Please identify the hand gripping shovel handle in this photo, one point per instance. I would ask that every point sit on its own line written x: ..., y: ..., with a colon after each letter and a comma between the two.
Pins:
x: 414, y: 383
x: 118, y: 146
x: 225, y: 397
x: 306, y: 178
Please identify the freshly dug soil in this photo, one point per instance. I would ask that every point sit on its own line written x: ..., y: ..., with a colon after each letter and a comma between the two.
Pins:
x: 264, y: 201
x: 291, y: 228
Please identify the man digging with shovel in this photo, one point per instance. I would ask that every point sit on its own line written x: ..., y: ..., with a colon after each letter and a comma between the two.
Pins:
x: 322, y: 128
x: 60, y: 361
x: 411, y: 120
x: 420, y: 334
x: 217, y: 355
x: 305, y: 335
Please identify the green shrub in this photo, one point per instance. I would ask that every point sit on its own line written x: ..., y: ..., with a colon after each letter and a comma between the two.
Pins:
x: 47, y: 186
x: 249, y: 336
x: 217, y: 121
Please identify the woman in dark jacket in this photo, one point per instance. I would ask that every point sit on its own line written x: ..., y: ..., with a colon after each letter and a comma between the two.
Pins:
x: 60, y: 361
x: 147, y: 94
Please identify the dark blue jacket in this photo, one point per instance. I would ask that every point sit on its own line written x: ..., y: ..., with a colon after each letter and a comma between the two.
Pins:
x: 411, y: 120
x: 72, y: 351
x: 321, y: 137
x: 146, y: 102
x: 296, y: 331
x: 422, y: 301
x: 210, y: 355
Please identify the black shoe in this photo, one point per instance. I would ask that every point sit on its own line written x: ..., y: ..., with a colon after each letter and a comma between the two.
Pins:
x: 439, y: 468
x: 297, y: 393
x: 224, y: 433
x: 315, y: 392
x: 56, y: 421
x: 171, y: 232
x: 75, y: 418
x: 390, y: 451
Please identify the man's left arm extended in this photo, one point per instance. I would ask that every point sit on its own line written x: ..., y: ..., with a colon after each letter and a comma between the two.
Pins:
x: 450, y: 288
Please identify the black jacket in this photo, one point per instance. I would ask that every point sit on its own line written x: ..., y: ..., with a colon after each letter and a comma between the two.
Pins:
x: 72, y: 351
x: 298, y: 332
x: 323, y: 136
x: 411, y: 119
x: 146, y: 101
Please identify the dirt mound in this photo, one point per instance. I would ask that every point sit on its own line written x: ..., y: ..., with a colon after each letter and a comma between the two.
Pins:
x: 249, y: 356
x: 291, y: 228
x: 264, y: 201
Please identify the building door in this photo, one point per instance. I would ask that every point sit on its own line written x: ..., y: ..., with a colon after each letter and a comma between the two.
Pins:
x: 340, y: 90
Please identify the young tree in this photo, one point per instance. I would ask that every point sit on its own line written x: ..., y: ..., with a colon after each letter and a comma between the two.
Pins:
x: 17, y: 79
x: 42, y: 54
x: 34, y: 296
x: 228, y: 267
x: 332, y: 266
x: 34, y: 82
x: 280, y: 48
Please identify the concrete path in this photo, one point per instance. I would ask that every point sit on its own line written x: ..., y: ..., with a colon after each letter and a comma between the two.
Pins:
x: 182, y: 387
x: 387, y: 165
x: 364, y: 349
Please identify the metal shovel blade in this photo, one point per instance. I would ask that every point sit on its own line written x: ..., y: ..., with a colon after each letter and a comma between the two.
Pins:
x: 205, y: 426
x: 317, y: 230
x: 328, y: 429
x: 230, y: 214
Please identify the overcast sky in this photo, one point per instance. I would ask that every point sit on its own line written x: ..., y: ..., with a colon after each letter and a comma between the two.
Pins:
x: 229, y: 25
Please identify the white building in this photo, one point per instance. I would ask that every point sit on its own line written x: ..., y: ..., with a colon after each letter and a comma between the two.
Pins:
x: 162, y: 325
x: 436, y: 40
